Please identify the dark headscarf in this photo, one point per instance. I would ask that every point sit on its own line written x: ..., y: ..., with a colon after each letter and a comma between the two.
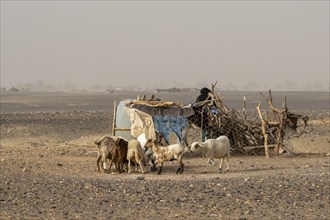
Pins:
x: 204, y: 94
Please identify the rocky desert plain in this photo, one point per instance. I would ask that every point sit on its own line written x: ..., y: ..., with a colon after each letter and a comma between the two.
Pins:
x: 48, y: 165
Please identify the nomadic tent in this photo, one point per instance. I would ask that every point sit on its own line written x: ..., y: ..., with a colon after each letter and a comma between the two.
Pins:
x: 134, y: 117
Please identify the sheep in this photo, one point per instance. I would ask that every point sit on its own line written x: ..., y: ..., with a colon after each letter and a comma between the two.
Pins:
x: 105, y: 148
x: 214, y: 148
x: 167, y: 153
x: 135, y: 154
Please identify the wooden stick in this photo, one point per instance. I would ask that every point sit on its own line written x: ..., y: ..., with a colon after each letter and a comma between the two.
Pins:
x: 122, y: 129
x: 244, y: 105
x: 113, y: 133
x: 247, y: 149
x: 263, y: 127
x: 202, y: 123
x: 213, y: 85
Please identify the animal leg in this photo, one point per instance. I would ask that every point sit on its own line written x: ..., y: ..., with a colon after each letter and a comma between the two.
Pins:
x: 160, y: 169
x: 153, y: 165
x: 182, y: 168
x: 129, y: 166
x: 178, y: 170
x: 105, y: 166
x: 221, y: 162
x: 207, y: 163
x: 142, y: 167
x: 115, y: 163
x: 126, y: 166
x: 137, y: 167
x: 110, y: 165
x: 120, y: 166
x: 227, y: 162
x: 98, y: 163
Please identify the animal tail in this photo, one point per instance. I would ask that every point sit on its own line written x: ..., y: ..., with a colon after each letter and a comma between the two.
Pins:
x: 98, y: 142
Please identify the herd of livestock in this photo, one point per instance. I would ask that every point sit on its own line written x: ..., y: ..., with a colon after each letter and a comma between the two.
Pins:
x: 144, y: 153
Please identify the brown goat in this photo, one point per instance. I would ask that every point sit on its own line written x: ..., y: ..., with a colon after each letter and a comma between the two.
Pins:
x: 105, y: 148
x: 119, y: 155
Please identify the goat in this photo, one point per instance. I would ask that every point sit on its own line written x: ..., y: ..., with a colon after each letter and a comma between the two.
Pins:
x: 135, y: 154
x: 105, y: 148
x: 167, y: 153
x: 120, y: 154
x: 214, y: 148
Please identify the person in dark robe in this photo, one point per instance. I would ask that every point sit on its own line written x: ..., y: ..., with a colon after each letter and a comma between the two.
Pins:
x: 204, y: 95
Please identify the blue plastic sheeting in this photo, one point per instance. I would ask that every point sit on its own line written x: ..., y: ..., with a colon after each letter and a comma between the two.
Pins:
x: 166, y: 124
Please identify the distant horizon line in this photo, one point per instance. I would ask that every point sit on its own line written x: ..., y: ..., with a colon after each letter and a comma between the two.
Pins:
x: 14, y: 90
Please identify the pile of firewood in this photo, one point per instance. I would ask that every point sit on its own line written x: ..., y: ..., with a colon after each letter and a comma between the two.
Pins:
x: 249, y: 134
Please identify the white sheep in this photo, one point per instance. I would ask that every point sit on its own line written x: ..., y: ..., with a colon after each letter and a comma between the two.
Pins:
x: 214, y: 148
x: 167, y: 153
x: 135, y: 154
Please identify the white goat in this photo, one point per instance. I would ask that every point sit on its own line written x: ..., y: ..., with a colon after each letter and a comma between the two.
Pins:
x: 135, y: 153
x: 214, y: 148
x: 167, y: 153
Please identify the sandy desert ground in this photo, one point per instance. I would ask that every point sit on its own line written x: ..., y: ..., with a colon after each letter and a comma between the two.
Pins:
x: 48, y: 166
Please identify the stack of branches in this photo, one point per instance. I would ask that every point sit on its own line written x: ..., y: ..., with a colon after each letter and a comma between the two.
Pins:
x: 246, y: 134
x: 282, y: 121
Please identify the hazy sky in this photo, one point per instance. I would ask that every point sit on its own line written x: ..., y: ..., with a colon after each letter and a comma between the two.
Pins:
x: 249, y: 44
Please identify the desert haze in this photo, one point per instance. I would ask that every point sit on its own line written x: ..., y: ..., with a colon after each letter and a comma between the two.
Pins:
x: 96, y: 101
